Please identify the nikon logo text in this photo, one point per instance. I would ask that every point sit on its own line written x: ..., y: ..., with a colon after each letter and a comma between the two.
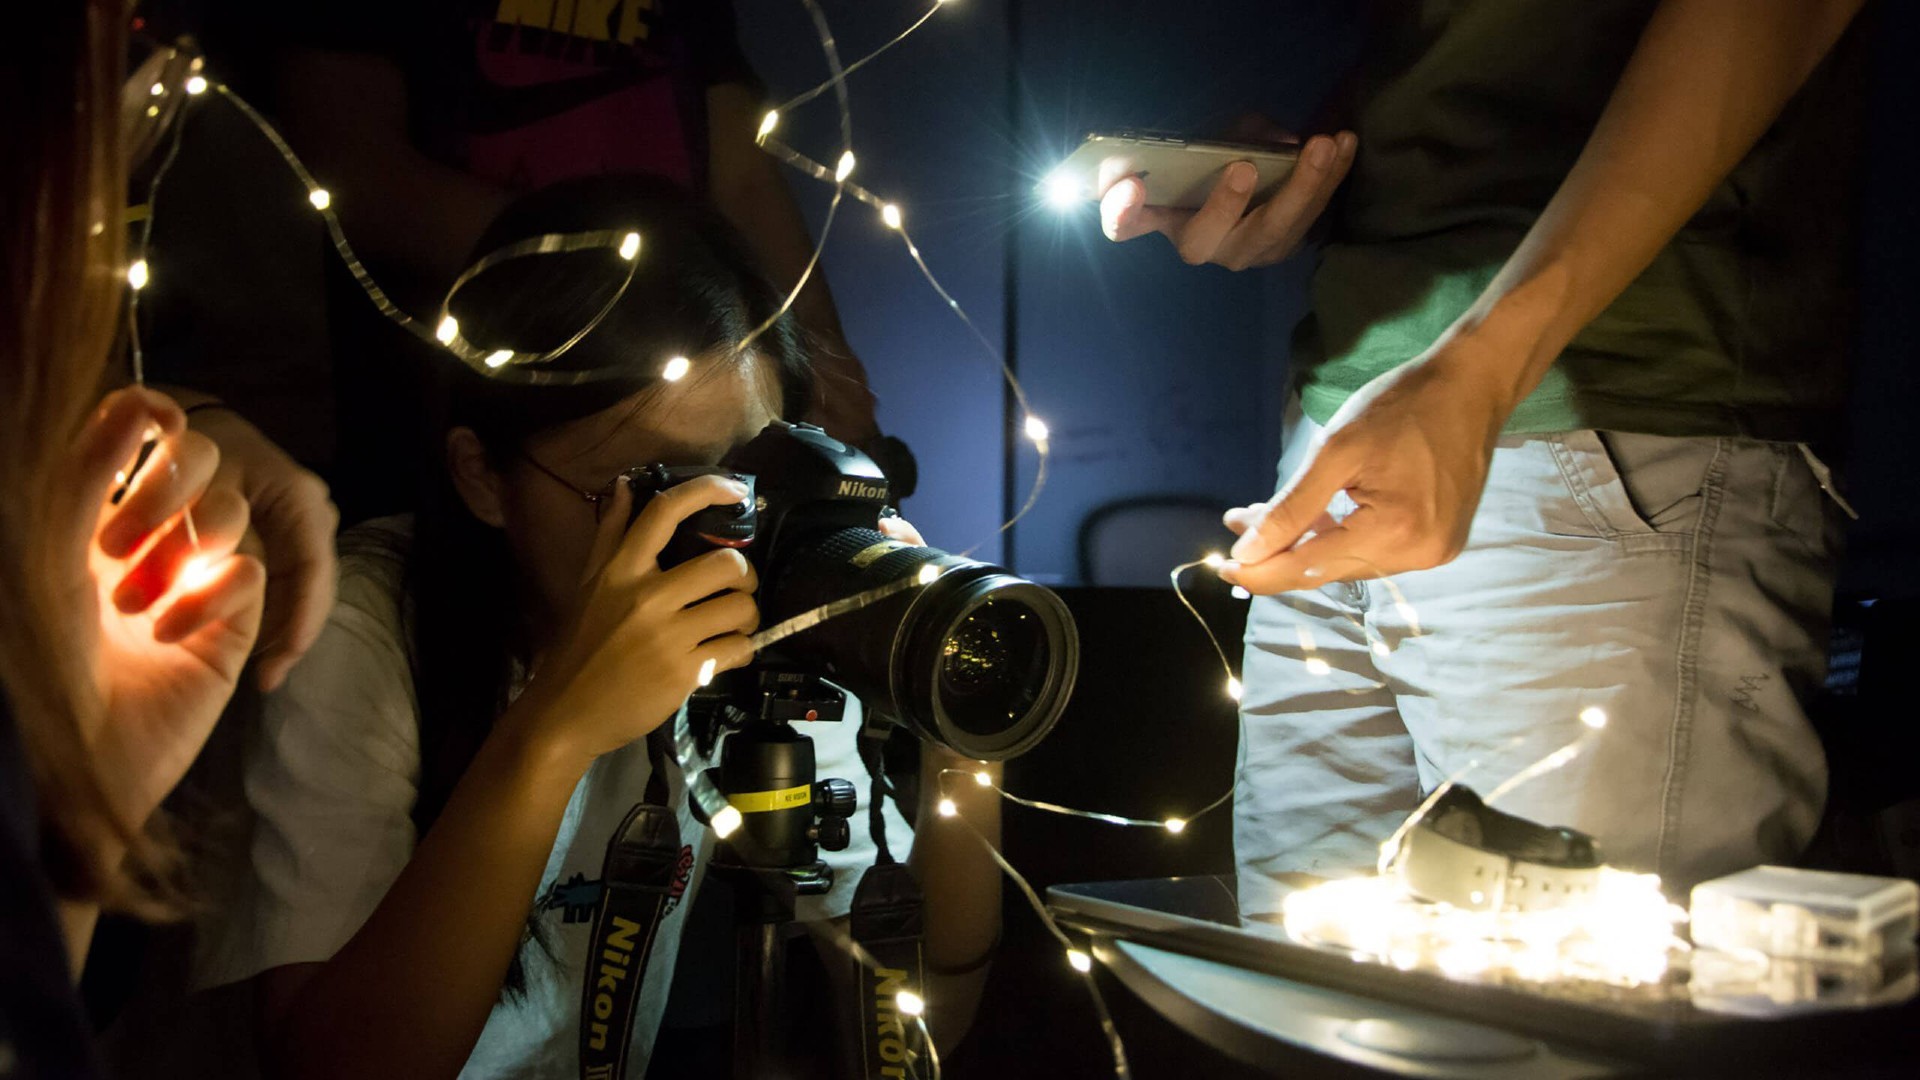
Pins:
x: 616, y: 962
x: 861, y: 489
x: 889, y: 1032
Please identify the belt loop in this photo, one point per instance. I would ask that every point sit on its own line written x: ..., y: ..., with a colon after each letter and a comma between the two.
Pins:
x: 1824, y: 476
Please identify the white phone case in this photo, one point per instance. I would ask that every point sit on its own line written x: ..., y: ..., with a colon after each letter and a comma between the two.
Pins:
x: 1177, y: 172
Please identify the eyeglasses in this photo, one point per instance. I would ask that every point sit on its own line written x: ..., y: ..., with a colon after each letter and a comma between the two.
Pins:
x: 596, y: 499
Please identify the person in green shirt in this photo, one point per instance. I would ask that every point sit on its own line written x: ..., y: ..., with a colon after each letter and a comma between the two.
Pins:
x: 1577, y: 328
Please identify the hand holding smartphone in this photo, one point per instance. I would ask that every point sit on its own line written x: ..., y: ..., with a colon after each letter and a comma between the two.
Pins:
x: 1236, y: 205
x: 1177, y: 172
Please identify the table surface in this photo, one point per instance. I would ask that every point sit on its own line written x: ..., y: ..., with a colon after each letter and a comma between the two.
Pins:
x: 1241, y: 984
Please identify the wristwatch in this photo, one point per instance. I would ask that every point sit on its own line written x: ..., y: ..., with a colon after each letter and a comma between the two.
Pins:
x: 1469, y: 855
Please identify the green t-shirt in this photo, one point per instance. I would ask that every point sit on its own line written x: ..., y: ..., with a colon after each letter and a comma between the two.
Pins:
x: 1474, y: 111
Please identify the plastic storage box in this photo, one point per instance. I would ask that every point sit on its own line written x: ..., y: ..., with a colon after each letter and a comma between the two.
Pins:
x: 1807, y: 914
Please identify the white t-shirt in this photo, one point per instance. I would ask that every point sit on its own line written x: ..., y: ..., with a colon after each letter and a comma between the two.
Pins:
x: 332, y: 776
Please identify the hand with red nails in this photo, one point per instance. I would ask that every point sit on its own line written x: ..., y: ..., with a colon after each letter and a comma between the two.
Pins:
x: 1411, y: 449
x: 169, y: 609
x: 1223, y: 231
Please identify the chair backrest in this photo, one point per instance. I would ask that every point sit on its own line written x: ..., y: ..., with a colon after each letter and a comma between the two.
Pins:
x: 1135, y: 542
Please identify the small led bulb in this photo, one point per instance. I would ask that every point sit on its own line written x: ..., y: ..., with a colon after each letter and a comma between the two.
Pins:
x: 909, y: 1003
x: 1176, y: 825
x: 1594, y: 717
x: 676, y: 369
x: 1062, y: 189
x: 844, y: 169
x: 137, y: 274
x: 1036, y: 429
x: 726, y: 822
x: 1317, y: 666
x: 1235, y: 689
x: 157, y: 89
x: 196, y: 574
x: 499, y: 357
x: 630, y: 246
x: 707, y: 667
x: 947, y: 808
x: 983, y: 778
x: 769, y: 122
x: 1079, y: 961
x: 1214, y: 560
x: 890, y: 215
x: 448, y: 329
x: 197, y: 84
x: 320, y: 197
x: 928, y: 574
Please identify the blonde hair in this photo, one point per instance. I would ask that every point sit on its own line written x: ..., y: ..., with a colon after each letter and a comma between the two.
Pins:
x: 62, y: 194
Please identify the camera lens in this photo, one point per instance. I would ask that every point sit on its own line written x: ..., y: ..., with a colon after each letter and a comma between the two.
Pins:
x: 977, y: 660
x: 992, y: 666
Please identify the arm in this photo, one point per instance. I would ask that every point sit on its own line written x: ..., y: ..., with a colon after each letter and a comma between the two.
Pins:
x: 962, y: 888
x: 166, y: 617
x: 408, y: 994
x: 347, y: 113
x: 1412, y: 448
x: 747, y: 187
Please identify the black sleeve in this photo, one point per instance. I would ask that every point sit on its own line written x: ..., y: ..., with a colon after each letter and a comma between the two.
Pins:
x: 44, y: 1033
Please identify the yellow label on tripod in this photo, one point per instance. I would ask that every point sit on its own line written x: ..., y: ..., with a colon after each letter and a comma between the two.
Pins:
x: 759, y: 802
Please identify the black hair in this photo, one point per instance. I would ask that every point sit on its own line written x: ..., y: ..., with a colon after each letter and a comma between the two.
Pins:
x: 696, y: 292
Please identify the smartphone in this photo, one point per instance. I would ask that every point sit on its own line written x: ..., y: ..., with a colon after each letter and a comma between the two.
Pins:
x: 1177, y: 171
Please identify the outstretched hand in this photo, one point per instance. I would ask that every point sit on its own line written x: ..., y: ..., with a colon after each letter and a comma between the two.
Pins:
x: 1411, y: 449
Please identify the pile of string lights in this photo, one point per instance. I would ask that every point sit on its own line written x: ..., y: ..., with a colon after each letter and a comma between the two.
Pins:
x: 182, y: 78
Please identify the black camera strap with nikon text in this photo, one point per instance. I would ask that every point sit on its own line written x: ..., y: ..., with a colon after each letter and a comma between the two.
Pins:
x: 888, y: 922
x: 642, y: 879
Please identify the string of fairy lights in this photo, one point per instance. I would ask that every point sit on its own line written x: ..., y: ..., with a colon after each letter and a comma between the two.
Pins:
x: 443, y: 331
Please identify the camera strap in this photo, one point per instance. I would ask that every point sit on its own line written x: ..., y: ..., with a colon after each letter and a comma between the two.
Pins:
x: 888, y: 922
x: 642, y: 878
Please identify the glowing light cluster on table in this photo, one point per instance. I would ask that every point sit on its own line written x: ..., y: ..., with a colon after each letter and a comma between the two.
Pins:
x: 1624, y: 935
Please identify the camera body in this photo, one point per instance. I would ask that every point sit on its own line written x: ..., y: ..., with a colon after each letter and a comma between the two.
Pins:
x: 800, y: 482
x: 969, y: 655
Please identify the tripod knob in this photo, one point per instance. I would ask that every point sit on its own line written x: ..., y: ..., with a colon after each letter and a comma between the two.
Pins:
x: 833, y: 834
x: 835, y: 798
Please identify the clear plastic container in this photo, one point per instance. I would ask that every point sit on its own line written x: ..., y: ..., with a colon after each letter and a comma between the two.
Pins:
x: 1807, y: 914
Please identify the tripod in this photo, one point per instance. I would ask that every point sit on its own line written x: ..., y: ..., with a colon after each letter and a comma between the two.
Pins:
x: 766, y: 771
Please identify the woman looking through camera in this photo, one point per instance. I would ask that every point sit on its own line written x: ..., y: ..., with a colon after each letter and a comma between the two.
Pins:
x: 438, y: 783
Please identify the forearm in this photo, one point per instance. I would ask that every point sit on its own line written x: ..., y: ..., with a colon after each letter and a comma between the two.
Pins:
x: 1706, y: 80
x: 410, y: 993
x: 961, y: 883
